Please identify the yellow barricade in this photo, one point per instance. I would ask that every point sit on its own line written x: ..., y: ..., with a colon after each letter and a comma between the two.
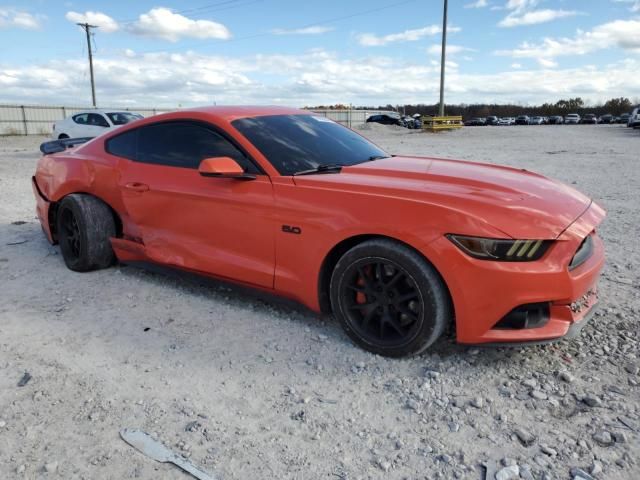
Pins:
x: 442, y: 123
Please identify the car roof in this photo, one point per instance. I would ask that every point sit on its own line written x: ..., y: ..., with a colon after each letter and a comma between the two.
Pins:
x: 99, y: 110
x: 234, y: 112
x: 222, y: 114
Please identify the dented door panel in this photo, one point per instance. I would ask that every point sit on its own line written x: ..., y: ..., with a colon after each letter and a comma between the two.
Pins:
x: 223, y: 227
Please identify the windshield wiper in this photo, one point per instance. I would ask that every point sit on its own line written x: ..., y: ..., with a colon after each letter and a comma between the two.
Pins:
x: 376, y: 157
x: 326, y: 168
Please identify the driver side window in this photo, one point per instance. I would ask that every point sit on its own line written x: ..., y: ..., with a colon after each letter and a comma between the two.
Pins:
x: 186, y: 144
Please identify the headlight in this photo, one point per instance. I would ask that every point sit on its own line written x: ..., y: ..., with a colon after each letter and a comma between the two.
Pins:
x: 501, y: 250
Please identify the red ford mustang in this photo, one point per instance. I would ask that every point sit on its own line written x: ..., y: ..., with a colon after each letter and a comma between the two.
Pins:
x: 398, y: 248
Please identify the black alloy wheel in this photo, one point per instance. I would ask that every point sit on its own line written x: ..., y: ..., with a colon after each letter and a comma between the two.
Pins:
x: 383, y: 302
x: 70, y: 233
x: 389, y: 299
x: 85, y: 225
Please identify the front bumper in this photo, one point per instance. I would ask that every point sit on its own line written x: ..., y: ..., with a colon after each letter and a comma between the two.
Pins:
x: 484, y: 292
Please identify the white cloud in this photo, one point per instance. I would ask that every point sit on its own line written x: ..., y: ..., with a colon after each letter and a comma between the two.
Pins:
x: 315, y: 77
x: 19, y: 19
x: 315, y: 30
x: 546, y: 63
x: 520, y: 5
x: 517, y: 66
x: 477, y: 4
x: 634, y: 5
x: 372, y: 40
x: 618, y: 33
x: 449, y: 64
x: 534, y: 17
x: 165, y: 24
x: 436, y: 49
x: 103, y: 21
x: 522, y: 12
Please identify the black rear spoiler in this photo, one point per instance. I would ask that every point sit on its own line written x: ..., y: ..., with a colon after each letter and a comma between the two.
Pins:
x: 56, y: 146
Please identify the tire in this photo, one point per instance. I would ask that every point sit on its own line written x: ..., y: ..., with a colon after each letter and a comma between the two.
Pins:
x: 62, y: 136
x: 84, y: 226
x: 388, y: 299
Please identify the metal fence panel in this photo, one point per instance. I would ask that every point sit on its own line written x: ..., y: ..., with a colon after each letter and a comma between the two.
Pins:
x: 348, y: 118
x: 39, y: 119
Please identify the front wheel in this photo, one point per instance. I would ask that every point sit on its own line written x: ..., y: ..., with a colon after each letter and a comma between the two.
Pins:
x: 388, y: 299
x: 85, y: 226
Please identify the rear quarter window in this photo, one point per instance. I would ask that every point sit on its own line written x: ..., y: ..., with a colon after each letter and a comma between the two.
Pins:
x: 81, y: 118
x: 123, y: 145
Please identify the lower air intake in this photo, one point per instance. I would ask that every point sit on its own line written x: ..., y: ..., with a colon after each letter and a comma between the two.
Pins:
x: 531, y: 315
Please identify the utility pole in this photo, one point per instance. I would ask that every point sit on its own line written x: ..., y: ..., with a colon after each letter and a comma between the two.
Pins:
x: 87, y: 29
x: 442, y: 59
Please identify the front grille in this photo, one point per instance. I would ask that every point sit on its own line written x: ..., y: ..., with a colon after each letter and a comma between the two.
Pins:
x: 583, y: 253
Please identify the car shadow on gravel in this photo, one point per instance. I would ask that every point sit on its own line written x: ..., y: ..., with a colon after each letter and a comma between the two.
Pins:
x: 23, y: 248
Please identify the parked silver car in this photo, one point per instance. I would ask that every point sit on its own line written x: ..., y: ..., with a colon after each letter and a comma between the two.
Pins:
x: 572, y: 118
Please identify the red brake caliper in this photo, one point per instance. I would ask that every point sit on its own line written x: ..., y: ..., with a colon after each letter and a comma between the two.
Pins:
x: 360, y: 296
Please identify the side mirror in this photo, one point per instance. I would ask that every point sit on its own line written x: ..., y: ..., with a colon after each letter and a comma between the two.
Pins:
x: 223, y: 167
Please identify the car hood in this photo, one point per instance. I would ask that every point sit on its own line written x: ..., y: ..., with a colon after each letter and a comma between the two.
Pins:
x: 520, y: 203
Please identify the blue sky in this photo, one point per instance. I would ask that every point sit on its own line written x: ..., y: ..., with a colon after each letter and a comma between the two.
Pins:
x: 170, y: 53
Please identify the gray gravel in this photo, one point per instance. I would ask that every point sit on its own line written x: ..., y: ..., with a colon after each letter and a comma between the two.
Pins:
x: 249, y: 387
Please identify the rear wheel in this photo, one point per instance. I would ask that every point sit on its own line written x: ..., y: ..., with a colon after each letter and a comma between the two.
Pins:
x: 388, y: 299
x: 84, y: 226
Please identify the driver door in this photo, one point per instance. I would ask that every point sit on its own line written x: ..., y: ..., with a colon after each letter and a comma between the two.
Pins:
x: 220, y: 226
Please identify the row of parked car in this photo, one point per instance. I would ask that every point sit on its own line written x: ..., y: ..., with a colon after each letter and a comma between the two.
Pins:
x: 396, y: 119
x: 631, y: 119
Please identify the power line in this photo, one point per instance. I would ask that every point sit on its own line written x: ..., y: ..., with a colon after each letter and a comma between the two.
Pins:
x: 313, y: 24
x: 87, y: 29
x: 191, y: 10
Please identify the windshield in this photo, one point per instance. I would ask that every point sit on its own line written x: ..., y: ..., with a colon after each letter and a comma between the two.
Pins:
x: 295, y: 143
x: 120, y: 118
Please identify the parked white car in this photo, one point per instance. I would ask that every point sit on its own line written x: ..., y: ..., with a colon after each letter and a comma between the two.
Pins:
x: 572, y: 118
x: 634, y: 118
x: 91, y: 123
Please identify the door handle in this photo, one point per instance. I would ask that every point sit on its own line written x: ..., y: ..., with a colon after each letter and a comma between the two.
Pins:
x: 137, y: 186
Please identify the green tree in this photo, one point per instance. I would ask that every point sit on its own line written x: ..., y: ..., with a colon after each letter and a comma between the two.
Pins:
x: 572, y: 104
x: 617, y: 106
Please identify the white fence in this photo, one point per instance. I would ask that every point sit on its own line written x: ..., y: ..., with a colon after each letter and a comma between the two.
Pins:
x: 39, y: 119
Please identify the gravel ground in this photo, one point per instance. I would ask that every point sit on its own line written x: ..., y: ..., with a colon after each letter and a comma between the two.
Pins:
x: 250, y: 387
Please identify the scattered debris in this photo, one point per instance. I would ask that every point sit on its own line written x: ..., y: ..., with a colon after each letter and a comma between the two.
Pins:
x: 508, y: 473
x: 526, y: 437
x: 603, y: 437
x: 155, y: 450
x: 565, y: 376
x: 25, y: 379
